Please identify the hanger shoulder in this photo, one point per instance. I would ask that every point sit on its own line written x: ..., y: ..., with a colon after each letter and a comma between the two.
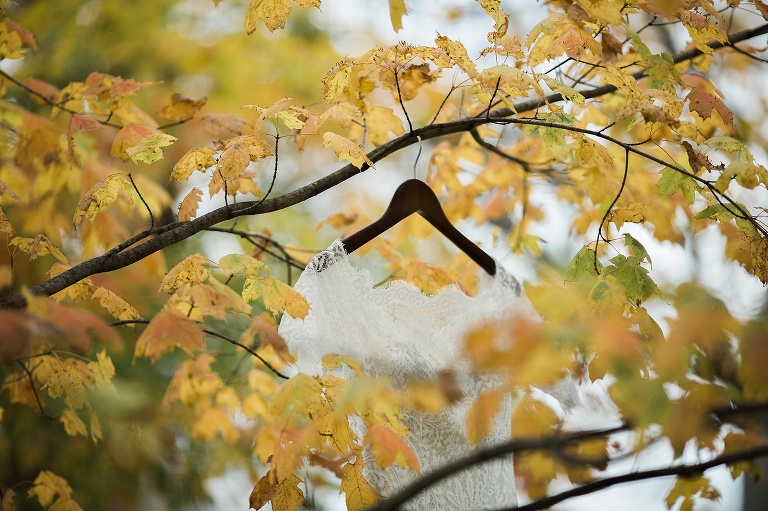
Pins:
x: 415, y: 196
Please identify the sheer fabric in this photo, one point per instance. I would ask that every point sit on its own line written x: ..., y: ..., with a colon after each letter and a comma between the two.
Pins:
x: 399, y: 332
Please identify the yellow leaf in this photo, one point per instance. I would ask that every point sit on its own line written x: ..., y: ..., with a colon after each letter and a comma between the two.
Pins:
x: 686, y: 488
x: 702, y: 30
x: 396, y: 11
x: 338, y: 220
x: 288, y: 495
x: 278, y: 296
x: 263, y: 491
x: 388, y: 448
x: 233, y: 161
x: 458, y: 53
x: 119, y: 308
x: 38, y: 246
x: 274, y: 13
x: 345, y: 149
x: 5, y: 225
x: 634, y: 213
x: 189, y: 205
x: 298, y: 393
x: 380, y: 122
x: 256, y: 146
x: 148, y: 150
x: 8, y: 504
x: 493, y: 9
x: 199, y: 159
x: 47, y: 485
x: 481, y: 415
x: 167, y: 330
x: 333, y: 361
x: 182, y: 107
x: 189, y: 271
x: 214, y: 420
x: 532, y: 418
x: 73, y: 424
x: 336, y: 82
x: 359, y: 492
x: 101, y: 195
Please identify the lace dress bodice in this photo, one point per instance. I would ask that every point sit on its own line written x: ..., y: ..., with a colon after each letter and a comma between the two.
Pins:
x: 399, y: 332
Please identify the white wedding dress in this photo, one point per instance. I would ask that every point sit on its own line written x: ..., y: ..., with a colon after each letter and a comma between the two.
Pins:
x: 399, y: 332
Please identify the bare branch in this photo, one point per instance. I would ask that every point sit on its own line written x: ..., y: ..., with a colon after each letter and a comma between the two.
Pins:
x: 122, y: 256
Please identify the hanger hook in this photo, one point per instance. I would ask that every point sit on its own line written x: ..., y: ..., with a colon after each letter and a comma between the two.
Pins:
x: 418, y: 155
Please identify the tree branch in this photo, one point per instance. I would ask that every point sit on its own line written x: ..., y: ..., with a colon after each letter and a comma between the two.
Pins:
x: 122, y: 256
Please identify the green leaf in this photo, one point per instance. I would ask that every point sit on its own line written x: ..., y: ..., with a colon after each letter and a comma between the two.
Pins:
x: 718, y: 211
x: 148, y: 150
x: 637, y: 248
x: 638, y: 285
x: 672, y: 180
x: 583, y: 261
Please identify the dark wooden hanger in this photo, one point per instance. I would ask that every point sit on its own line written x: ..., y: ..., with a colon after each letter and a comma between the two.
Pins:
x: 414, y: 196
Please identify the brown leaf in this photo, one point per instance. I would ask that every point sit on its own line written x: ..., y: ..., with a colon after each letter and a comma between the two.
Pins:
x: 703, y: 103
x: 222, y: 126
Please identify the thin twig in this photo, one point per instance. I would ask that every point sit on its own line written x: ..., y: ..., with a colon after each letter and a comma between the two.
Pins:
x: 608, y: 211
x: 34, y: 389
x: 151, y: 216
x: 212, y: 334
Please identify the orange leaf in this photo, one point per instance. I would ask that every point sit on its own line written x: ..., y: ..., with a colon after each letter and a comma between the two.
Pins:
x: 388, y: 448
x: 188, y: 206
x: 702, y: 102
x: 130, y: 136
x: 481, y: 414
x: 167, y: 330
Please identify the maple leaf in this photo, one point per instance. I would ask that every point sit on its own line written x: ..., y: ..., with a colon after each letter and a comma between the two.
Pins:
x: 493, y: 9
x: 686, y: 488
x: 332, y: 361
x: 182, y: 107
x: 397, y: 10
x: 359, y: 492
x: 702, y: 30
x: 73, y: 424
x: 256, y: 146
x: 481, y: 414
x: 274, y: 13
x: 167, y: 330
x: 338, y: 220
x: 458, y: 53
x: 13, y: 38
x: 101, y: 195
x: 189, y: 271
x: 47, y: 485
x: 345, y: 149
x: 5, y: 225
x: 130, y: 136
x: 388, y: 448
x: 212, y: 421
x: 223, y: 126
x: 189, y: 205
x: 704, y: 103
x: 117, y: 307
x: 263, y: 491
x: 38, y: 246
x: 199, y: 160
x: 288, y: 495
x: 148, y: 150
x: 233, y: 161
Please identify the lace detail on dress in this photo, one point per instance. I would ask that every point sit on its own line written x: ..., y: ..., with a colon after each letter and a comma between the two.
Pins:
x: 399, y: 332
